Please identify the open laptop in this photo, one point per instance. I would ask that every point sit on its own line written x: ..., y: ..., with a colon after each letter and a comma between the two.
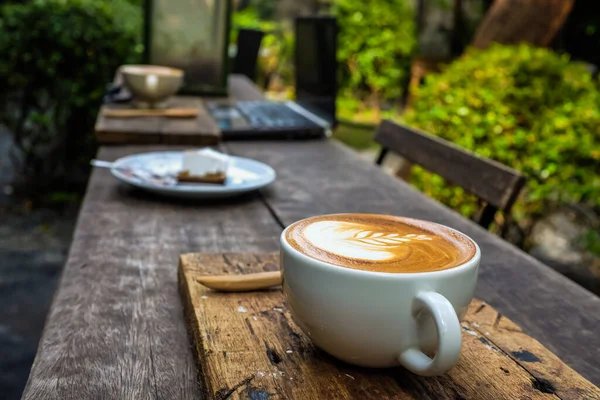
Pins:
x: 312, y: 115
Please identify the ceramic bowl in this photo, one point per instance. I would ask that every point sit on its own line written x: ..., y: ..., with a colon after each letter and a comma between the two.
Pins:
x: 151, y: 84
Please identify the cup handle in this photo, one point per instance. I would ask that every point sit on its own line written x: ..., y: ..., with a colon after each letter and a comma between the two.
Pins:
x: 448, y: 332
x: 151, y: 82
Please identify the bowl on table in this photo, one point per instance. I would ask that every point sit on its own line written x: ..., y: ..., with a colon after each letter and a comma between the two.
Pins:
x: 151, y: 85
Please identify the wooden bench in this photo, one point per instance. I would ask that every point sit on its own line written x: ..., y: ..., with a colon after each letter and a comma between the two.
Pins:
x: 497, y: 185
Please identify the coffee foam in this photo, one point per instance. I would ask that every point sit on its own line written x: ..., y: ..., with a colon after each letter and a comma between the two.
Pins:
x: 380, y: 243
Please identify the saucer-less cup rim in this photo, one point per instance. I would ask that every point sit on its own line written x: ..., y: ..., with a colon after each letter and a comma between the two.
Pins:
x: 441, y: 310
x: 385, y: 275
x: 145, y: 69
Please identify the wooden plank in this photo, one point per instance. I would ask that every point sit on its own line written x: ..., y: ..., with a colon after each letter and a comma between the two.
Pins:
x: 321, y: 177
x: 492, y: 182
x: 126, y: 130
x: 550, y: 372
x: 199, y: 131
x: 249, y: 347
x: 154, y: 112
x: 116, y: 329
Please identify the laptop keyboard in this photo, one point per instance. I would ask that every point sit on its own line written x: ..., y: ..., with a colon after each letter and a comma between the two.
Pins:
x: 265, y: 114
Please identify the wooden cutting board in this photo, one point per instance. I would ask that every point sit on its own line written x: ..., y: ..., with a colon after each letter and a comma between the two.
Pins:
x: 201, y: 130
x: 248, y: 347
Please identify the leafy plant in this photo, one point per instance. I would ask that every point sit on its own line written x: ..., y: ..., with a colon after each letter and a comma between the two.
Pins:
x: 57, y: 57
x: 375, y: 45
x: 528, y: 108
x: 277, y: 46
x: 590, y: 241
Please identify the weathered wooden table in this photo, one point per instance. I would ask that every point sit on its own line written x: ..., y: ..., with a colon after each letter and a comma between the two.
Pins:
x: 116, y: 328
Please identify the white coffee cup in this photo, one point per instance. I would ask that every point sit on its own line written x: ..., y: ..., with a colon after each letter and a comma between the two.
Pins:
x: 377, y: 319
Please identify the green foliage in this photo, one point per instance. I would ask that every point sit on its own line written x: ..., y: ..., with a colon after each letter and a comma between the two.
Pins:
x: 57, y: 57
x: 375, y: 45
x: 590, y: 241
x: 265, y: 9
x: 277, y: 46
x: 355, y: 135
x: 249, y: 18
x: 528, y: 108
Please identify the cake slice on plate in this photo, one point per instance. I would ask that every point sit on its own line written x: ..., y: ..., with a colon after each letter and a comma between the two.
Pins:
x: 204, y: 166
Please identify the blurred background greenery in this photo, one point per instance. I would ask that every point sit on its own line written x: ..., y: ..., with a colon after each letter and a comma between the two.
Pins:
x: 533, y: 109
x: 526, y: 107
x: 57, y: 58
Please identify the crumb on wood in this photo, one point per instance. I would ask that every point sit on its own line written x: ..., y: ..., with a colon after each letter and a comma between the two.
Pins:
x: 254, y: 318
x: 204, y: 297
x: 242, y: 309
x: 278, y: 309
x: 260, y: 373
x: 289, y: 351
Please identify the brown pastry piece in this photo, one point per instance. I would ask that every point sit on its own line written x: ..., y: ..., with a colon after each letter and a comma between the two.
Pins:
x: 217, y: 178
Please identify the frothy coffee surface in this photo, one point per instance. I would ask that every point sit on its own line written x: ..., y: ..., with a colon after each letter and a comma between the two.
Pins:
x: 380, y: 243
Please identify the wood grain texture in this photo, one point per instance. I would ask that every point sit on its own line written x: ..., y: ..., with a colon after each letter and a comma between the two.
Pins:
x: 321, y: 177
x: 200, y: 130
x: 248, y: 347
x: 517, y: 21
x: 115, y: 329
x: 157, y: 112
x: 550, y: 372
x: 492, y: 182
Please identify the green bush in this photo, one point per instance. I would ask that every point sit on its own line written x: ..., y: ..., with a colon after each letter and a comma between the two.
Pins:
x: 277, y: 46
x: 375, y: 46
x: 57, y: 57
x: 528, y: 108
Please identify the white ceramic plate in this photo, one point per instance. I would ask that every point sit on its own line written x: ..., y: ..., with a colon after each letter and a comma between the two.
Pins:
x: 244, y: 175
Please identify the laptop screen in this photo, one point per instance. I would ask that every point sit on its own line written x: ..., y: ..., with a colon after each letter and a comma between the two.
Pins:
x: 316, y: 65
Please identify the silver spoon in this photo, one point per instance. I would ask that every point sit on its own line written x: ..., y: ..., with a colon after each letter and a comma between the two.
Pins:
x: 101, y: 164
x: 140, y: 173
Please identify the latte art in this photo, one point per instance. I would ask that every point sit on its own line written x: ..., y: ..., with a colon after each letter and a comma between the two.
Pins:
x: 380, y: 243
x: 349, y: 239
